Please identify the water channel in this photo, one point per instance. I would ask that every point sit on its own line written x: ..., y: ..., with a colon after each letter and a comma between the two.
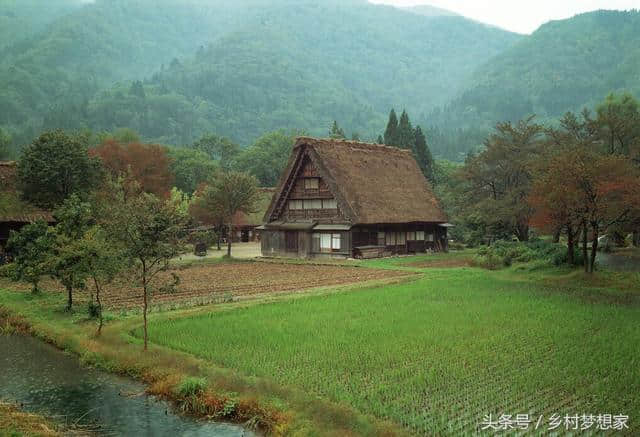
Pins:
x: 45, y: 380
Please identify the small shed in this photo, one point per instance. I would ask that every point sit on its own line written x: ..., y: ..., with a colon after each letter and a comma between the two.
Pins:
x: 15, y: 212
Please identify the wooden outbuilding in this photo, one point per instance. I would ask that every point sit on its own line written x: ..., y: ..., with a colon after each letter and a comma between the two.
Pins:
x: 339, y: 198
x: 14, y: 212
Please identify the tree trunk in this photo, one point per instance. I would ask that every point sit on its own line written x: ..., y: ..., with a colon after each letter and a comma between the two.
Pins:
x: 556, y: 234
x: 594, y: 247
x: 95, y: 281
x: 144, y: 306
x: 522, y: 232
x: 584, y: 246
x: 218, y: 235
x: 636, y: 238
x: 69, y: 298
x: 570, y: 245
x: 229, y: 237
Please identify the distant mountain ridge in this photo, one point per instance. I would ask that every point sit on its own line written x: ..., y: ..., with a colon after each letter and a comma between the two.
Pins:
x: 430, y: 11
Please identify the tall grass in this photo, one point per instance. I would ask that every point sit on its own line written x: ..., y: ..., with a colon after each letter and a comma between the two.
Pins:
x: 434, y: 355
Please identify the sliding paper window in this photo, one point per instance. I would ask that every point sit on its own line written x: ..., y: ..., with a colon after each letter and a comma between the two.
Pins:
x: 326, y: 242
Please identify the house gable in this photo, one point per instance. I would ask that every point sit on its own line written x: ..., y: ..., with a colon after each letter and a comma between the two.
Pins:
x: 306, y: 193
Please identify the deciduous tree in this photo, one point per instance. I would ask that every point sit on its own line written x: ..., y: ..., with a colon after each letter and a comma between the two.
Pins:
x: 150, y: 231
x: 148, y: 164
x: 55, y: 166
x: 30, y: 249
x: 229, y: 194
x: 498, y: 179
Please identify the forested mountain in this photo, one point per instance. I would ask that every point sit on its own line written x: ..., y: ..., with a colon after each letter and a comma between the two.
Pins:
x: 236, y: 68
x: 176, y: 69
x: 21, y: 19
x: 564, y: 65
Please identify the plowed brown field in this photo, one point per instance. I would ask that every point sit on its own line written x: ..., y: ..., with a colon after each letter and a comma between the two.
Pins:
x: 220, y: 281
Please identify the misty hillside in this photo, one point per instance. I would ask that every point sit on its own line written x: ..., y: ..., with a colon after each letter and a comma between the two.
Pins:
x: 238, y: 69
x: 176, y: 69
x: 564, y: 65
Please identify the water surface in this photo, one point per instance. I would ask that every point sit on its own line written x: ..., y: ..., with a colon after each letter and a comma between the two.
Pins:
x: 47, y: 381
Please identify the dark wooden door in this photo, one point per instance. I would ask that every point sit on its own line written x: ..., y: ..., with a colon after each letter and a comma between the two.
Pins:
x: 291, y: 241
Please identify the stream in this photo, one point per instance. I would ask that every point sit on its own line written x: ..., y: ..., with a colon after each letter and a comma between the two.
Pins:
x: 42, y: 379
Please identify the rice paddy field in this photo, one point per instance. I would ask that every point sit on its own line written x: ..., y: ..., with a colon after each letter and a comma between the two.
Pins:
x: 438, y: 353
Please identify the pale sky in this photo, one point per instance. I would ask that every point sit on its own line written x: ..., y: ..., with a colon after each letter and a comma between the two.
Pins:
x: 523, y: 16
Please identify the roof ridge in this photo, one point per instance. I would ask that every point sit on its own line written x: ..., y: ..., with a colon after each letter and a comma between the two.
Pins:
x: 335, y: 141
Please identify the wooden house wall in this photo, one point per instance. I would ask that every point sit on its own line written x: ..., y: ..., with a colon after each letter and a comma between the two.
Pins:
x: 299, y: 192
x: 368, y: 236
x: 274, y: 243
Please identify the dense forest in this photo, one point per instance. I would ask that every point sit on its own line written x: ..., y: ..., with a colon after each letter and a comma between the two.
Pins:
x: 174, y: 71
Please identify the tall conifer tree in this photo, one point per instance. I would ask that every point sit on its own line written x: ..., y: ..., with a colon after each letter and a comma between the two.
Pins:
x: 406, y: 137
x: 391, y: 133
x: 423, y: 154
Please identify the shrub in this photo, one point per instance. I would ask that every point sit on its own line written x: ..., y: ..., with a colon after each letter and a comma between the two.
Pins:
x: 191, y: 386
x: 94, y: 310
x: 506, y: 253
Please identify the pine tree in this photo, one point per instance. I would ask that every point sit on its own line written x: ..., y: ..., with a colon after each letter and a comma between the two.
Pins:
x: 423, y: 154
x: 380, y: 140
x: 336, y: 131
x: 406, y: 136
x: 391, y: 133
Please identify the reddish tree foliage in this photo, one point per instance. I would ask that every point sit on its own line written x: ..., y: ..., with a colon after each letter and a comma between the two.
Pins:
x: 147, y: 164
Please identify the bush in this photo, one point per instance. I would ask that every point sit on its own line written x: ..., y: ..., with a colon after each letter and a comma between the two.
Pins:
x: 191, y: 386
x: 454, y: 245
x: 94, y: 310
x: 506, y: 253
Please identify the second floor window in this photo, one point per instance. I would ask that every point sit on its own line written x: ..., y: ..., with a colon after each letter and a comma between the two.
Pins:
x: 311, y: 183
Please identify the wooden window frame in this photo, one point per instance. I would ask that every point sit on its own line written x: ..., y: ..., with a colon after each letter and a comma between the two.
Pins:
x: 308, y: 181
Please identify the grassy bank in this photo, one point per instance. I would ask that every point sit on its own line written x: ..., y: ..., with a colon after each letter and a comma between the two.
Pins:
x: 17, y: 423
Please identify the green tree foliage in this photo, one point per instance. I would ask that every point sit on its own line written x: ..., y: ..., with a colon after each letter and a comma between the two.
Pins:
x: 423, y: 154
x: 66, y: 260
x: 220, y: 149
x: 498, y: 180
x: 190, y: 167
x: 231, y: 193
x: 405, y: 133
x: 150, y: 232
x: 391, y: 133
x: 268, y: 156
x: 618, y: 125
x: 103, y: 261
x: 30, y: 249
x: 336, y: 131
x: 55, y: 166
x: 5, y: 142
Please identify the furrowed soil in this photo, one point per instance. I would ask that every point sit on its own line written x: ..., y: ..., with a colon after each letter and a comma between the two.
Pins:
x: 207, y: 283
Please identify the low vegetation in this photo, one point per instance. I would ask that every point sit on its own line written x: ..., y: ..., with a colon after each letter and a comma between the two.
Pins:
x: 505, y: 253
x: 17, y: 423
x: 435, y: 355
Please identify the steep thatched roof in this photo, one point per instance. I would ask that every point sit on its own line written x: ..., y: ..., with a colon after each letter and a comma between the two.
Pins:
x: 12, y: 207
x: 372, y: 183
